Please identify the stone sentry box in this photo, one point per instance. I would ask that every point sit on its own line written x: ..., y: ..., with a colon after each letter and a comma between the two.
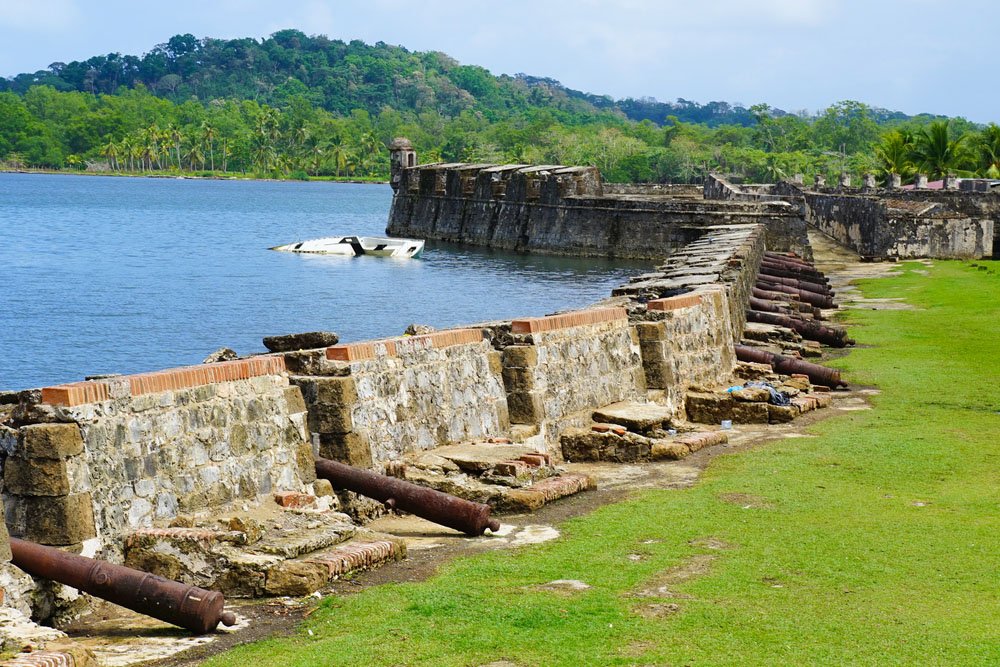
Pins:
x: 105, y: 457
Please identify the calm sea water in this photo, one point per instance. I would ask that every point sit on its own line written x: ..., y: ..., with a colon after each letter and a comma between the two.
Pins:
x: 123, y: 275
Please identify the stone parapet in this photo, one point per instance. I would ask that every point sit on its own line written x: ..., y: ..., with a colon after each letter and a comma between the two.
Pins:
x: 564, y: 210
x: 562, y: 366
x: 383, y: 398
x: 173, y: 379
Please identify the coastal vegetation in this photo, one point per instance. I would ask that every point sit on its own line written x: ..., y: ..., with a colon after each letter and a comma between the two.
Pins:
x: 871, y: 540
x: 298, y: 106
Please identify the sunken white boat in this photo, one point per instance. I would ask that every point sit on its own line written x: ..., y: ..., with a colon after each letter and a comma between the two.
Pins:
x: 355, y: 246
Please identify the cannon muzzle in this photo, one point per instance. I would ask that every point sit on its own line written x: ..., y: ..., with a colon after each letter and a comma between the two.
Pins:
x: 441, y: 508
x: 189, y: 607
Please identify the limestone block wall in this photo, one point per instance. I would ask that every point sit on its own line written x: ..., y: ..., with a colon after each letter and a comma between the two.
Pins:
x: 564, y: 210
x: 907, y: 227
x: 108, y: 456
x: 686, y: 341
x: 372, y: 401
x: 561, y: 367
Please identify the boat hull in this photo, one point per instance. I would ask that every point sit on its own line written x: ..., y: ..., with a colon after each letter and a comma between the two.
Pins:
x: 355, y: 246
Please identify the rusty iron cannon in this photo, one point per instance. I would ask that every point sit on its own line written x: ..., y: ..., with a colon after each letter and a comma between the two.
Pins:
x: 767, y: 268
x: 441, y: 508
x: 790, y: 257
x: 791, y: 264
x: 832, y: 336
x: 785, y: 300
x: 798, y: 284
x: 774, y: 306
x: 190, y: 607
x: 803, y: 269
x: 810, y: 297
x: 828, y: 377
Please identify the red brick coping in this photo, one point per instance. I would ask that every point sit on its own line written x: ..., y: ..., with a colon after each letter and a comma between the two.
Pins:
x: 370, y: 349
x: 674, y: 302
x: 565, y: 320
x: 171, y: 379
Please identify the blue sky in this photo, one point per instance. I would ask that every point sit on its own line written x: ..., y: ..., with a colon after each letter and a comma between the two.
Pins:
x: 936, y: 56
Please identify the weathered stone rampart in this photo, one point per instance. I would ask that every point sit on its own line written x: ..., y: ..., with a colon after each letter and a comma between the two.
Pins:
x: 884, y: 227
x: 376, y: 400
x: 87, y: 464
x: 98, y: 459
x: 883, y: 223
x: 565, y: 210
x: 548, y: 356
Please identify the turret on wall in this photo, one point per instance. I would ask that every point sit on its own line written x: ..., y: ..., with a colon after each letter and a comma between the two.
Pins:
x: 401, y: 156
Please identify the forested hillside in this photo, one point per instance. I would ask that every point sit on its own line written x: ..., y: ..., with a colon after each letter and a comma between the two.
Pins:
x: 305, y: 106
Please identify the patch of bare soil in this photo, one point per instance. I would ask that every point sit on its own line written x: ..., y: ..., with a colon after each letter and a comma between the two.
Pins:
x: 662, y: 584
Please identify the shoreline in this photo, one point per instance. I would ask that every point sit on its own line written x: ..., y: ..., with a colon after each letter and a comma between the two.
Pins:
x: 193, y: 177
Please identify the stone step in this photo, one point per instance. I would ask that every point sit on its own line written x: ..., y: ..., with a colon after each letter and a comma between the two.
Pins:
x: 531, y: 498
x: 611, y: 447
x: 236, y: 562
x: 303, y: 576
x: 634, y: 416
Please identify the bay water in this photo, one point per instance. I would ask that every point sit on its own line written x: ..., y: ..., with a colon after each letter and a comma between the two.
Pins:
x: 124, y: 275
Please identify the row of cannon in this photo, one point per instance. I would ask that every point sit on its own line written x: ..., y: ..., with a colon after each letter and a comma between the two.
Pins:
x: 790, y: 292
x: 200, y: 610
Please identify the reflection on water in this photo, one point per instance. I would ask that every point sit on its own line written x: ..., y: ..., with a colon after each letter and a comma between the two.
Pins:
x: 124, y: 274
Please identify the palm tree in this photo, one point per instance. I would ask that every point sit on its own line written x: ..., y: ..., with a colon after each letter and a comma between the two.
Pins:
x: 315, y: 158
x: 127, y: 151
x: 208, y: 134
x: 225, y: 154
x: 935, y: 153
x: 175, y: 137
x: 893, y: 154
x: 110, y: 151
x: 195, y: 154
x: 339, y: 154
x: 988, y: 145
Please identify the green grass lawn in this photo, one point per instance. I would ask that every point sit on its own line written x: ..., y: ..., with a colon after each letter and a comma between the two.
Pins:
x: 876, y: 542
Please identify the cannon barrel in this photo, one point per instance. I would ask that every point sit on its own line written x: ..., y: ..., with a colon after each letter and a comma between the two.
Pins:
x: 789, y: 266
x: 189, y: 607
x: 800, y: 284
x: 787, y: 257
x: 834, y: 337
x: 812, y: 298
x: 785, y: 300
x: 441, y: 508
x: 794, y: 309
x: 817, y: 374
x: 770, y: 269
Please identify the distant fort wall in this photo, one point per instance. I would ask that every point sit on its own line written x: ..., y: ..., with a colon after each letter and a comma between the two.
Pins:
x: 568, y: 210
x: 889, y: 223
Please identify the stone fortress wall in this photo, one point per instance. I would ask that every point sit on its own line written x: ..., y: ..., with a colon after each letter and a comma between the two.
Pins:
x: 568, y: 210
x: 87, y: 464
x: 959, y: 221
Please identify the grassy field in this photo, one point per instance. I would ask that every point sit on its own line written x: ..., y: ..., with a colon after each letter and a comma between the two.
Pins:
x: 875, y: 542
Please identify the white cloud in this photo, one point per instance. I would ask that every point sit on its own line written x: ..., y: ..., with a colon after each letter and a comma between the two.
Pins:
x: 39, y: 16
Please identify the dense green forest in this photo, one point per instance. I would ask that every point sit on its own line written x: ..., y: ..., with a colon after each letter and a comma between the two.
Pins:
x: 299, y: 106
